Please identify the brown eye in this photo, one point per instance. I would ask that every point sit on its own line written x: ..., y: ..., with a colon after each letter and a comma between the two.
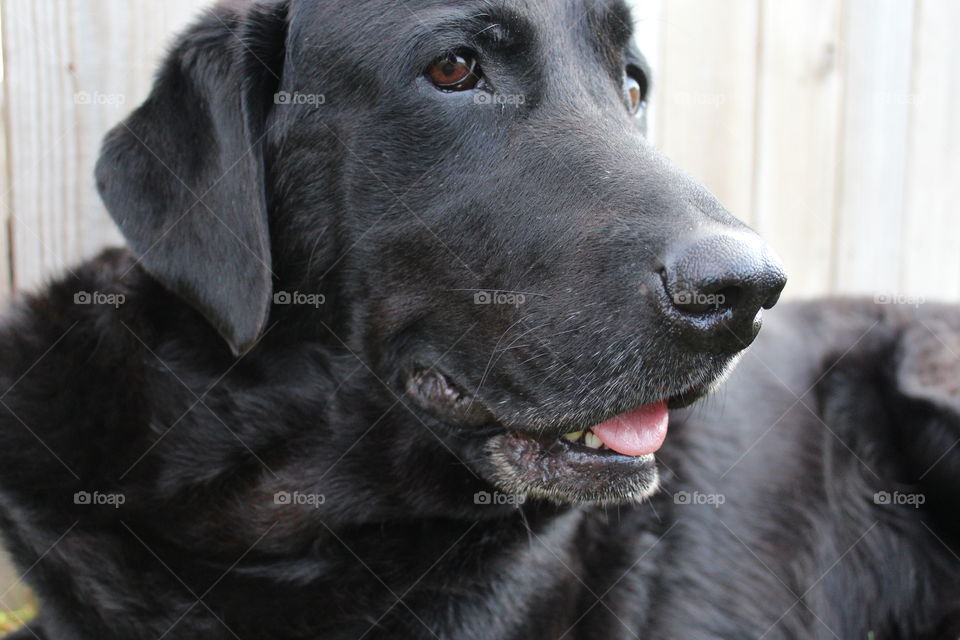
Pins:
x: 455, y: 72
x: 633, y: 91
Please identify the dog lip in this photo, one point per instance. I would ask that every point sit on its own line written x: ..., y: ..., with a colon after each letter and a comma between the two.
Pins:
x: 567, y: 473
x: 688, y: 397
x: 435, y: 391
x: 579, y: 453
x: 680, y: 400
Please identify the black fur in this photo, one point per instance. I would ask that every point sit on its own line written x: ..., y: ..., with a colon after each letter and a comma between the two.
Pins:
x: 199, y: 397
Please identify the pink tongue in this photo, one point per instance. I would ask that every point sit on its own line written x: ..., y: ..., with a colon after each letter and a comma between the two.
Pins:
x: 636, y: 433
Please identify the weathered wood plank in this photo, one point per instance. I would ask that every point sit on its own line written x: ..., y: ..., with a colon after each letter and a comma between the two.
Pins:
x: 799, y: 108
x: 878, y: 48
x: 73, y: 68
x: 931, y: 226
x: 5, y: 279
x: 707, y: 92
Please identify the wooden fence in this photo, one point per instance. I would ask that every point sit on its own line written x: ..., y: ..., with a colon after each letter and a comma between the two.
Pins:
x: 832, y: 126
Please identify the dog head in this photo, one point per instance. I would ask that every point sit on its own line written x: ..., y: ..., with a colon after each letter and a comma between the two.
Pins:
x: 460, y: 196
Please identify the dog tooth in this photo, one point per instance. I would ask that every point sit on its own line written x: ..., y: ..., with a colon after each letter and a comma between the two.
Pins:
x: 592, y: 440
x: 573, y: 437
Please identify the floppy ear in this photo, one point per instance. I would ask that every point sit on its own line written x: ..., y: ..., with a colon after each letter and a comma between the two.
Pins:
x: 927, y: 377
x: 184, y: 175
x: 928, y: 363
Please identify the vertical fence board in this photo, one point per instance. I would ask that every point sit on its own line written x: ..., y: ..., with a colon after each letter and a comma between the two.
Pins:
x: 5, y: 276
x: 799, y: 108
x: 706, y: 101
x: 73, y: 68
x: 877, y: 53
x: 931, y: 233
x: 42, y: 142
x: 745, y: 99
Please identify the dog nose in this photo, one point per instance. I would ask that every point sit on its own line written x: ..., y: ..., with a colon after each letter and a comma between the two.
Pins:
x: 716, y: 288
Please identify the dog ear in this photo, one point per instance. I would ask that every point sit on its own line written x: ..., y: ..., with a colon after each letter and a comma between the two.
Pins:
x: 927, y: 378
x: 184, y: 175
x: 928, y: 363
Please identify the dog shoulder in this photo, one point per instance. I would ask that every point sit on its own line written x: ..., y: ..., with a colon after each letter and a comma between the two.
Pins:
x: 70, y: 368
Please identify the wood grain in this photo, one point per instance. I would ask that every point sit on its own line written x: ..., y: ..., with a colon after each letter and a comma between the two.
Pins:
x: 878, y: 53
x: 831, y: 126
x: 72, y: 69
x: 930, y: 246
x: 707, y: 95
x: 5, y: 276
x: 799, y: 110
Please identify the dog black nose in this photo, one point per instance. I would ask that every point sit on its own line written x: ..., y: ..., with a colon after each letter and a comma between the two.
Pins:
x: 716, y: 287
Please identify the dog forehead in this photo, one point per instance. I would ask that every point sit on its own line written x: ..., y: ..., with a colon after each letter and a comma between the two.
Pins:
x: 378, y: 42
x: 545, y: 16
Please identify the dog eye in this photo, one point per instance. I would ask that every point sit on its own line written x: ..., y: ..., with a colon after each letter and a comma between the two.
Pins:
x: 455, y: 72
x: 635, y: 89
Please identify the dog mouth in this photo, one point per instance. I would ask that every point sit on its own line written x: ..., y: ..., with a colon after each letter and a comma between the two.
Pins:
x: 633, y: 434
x: 611, y: 462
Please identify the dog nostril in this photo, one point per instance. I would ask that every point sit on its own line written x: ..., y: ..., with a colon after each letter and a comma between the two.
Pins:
x: 728, y: 297
x: 706, y: 302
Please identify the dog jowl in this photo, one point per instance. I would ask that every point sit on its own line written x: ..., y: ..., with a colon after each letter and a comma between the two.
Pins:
x: 469, y: 188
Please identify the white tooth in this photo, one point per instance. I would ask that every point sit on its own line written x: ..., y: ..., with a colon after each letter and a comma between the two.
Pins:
x: 573, y: 437
x: 592, y: 440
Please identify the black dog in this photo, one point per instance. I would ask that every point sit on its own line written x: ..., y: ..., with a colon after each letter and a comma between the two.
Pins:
x: 389, y: 262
